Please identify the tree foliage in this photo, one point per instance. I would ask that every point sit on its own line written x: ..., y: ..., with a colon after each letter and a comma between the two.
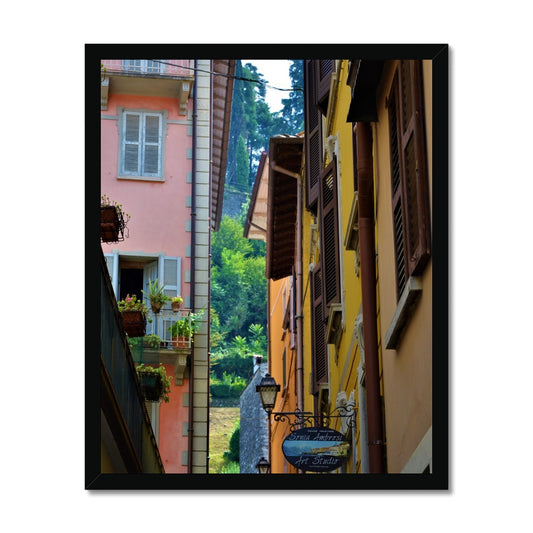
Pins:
x: 238, y: 283
x: 253, y: 123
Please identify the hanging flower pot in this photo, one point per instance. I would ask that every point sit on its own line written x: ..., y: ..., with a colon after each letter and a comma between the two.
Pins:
x: 151, y: 385
x: 156, y: 295
x: 112, y: 220
x: 133, y: 316
x: 176, y: 302
x: 109, y: 224
x: 156, y: 307
x: 155, y: 384
x: 134, y: 323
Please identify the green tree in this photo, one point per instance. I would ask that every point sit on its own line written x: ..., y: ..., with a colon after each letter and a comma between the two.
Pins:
x: 293, y: 107
x: 241, y: 165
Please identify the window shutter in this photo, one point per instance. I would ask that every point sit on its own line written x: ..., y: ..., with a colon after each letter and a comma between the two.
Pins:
x: 132, y: 133
x: 318, y: 333
x: 171, y: 276
x: 325, y: 68
x: 152, y: 138
x: 410, y: 202
x: 313, y: 137
x: 417, y: 174
x: 329, y: 236
x: 397, y: 207
x: 112, y: 267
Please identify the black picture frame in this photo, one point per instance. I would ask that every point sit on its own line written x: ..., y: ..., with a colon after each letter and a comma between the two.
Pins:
x: 439, y: 478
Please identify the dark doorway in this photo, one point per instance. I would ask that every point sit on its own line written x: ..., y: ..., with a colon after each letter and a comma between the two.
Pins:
x: 131, y: 282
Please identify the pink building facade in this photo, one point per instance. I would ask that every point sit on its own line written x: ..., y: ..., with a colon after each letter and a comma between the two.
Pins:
x: 158, y: 144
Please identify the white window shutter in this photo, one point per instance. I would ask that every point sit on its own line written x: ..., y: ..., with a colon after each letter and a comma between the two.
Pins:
x: 171, y: 275
x: 152, y: 143
x: 132, y: 145
x: 112, y: 267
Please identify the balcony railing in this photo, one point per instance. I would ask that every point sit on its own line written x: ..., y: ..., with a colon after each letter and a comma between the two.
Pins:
x: 150, y: 67
x: 160, y: 324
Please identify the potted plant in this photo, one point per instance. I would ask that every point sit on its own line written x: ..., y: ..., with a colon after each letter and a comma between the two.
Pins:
x: 156, y: 295
x: 133, y: 316
x: 113, y: 220
x: 152, y: 341
x: 176, y: 302
x: 183, y: 329
x: 155, y: 384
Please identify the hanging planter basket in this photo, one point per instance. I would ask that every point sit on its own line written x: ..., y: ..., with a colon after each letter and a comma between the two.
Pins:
x: 134, y: 323
x: 151, y: 386
x: 156, y: 307
x: 111, y: 224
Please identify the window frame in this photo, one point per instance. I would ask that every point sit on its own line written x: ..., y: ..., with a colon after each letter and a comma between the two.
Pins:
x: 140, y: 173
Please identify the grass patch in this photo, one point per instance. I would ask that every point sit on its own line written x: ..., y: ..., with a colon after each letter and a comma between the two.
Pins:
x: 221, y: 424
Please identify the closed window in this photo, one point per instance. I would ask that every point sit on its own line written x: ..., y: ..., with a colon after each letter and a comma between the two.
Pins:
x: 141, y: 144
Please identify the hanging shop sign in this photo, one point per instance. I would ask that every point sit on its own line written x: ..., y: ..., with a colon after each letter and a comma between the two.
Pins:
x: 316, y: 449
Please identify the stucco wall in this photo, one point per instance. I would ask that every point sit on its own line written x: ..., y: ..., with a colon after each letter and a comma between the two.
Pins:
x: 407, y: 370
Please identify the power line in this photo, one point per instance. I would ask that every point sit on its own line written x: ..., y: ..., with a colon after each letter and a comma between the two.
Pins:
x: 240, y: 78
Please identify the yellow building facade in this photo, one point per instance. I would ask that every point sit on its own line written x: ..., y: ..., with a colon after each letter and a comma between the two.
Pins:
x: 348, y: 228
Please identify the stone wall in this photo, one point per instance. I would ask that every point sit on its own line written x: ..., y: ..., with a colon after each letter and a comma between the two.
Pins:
x: 254, y: 428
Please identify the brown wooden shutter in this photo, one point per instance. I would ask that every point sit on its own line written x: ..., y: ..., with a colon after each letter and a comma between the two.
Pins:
x: 318, y: 329
x: 313, y: 137
x: 325, y: 68
x: 409, y: 178
x: 329, y: 236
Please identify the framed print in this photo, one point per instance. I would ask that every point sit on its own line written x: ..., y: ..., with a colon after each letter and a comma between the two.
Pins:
x: 266, y: 276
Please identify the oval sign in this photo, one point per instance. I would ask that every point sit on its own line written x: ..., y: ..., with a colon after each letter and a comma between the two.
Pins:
x: 316, y: 449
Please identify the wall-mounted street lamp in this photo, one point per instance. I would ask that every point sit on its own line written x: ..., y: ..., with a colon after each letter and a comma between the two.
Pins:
x: 263, y: 466
x: 268, y: 390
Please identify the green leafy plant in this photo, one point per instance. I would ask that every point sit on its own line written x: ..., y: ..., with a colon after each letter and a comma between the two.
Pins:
x: 187, y: 326
x: 176, y: 299
x: 130, y: 303
x: 152, y: 341
x: 159, y: 371
x: 156, y: 293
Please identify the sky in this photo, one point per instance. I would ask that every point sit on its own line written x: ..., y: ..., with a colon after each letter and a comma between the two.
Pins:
x: 277, y: 74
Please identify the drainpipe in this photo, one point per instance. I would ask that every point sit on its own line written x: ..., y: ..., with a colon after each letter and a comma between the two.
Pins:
x: 299, y: 286
x: 190, y: 430
x: 368, y: 282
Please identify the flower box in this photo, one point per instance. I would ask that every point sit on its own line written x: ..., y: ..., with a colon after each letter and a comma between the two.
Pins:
x: 151, y: 386
x: 110, y: 227
x: 134, y: 323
